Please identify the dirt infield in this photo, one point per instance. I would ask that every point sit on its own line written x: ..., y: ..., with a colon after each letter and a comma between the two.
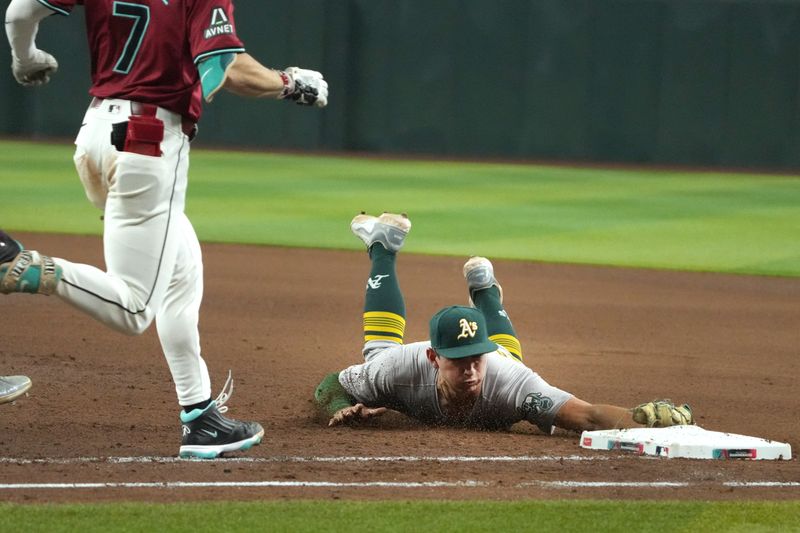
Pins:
x: 102, y: 416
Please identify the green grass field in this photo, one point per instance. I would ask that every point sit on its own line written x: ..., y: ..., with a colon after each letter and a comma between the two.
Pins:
x: 350, y: 516
x: 737, y: 223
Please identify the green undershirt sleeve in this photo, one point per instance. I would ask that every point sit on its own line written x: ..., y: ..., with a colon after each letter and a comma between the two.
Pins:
x: 212, y: 73
x: 331, y: 396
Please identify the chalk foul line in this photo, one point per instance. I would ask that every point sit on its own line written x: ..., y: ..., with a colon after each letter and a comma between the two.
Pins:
x: 309, y: 459
x: 655, y: 484
x: 244, y: 484
x: 388, y: 484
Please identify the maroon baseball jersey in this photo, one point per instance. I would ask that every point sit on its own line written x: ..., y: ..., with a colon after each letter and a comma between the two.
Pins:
x: 147, y: 50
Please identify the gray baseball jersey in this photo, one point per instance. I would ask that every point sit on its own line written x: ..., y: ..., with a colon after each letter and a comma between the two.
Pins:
x: 402, y: 378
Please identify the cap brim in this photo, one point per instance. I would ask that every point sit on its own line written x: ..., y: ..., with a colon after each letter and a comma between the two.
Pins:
x: 468, y: 350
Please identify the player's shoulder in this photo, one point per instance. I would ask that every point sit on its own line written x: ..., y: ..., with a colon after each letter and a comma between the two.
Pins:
x: 414, y: 356
x: 407, y: 363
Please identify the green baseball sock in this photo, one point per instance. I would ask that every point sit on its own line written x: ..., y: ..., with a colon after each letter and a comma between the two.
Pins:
x: 499, y: 326
x: 384, y: 308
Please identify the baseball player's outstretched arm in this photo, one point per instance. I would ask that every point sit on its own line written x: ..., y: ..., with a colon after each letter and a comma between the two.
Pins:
x: 245, y: 76
x: 339, y: 405
x: 248, y: 77
x: 579, y: 415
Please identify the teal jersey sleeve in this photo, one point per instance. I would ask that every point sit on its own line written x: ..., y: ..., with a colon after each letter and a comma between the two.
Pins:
x: 212, y: 71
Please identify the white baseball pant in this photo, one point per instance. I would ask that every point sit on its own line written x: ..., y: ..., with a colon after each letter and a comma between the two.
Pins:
x: 153, y: 259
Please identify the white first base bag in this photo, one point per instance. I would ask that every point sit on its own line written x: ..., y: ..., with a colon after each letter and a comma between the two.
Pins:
x: 690, y: 442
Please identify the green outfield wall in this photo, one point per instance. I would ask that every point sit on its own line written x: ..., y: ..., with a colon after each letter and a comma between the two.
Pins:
x: 698, y: 82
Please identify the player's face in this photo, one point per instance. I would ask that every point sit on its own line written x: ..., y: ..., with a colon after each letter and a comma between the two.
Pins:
x: 463, y: 376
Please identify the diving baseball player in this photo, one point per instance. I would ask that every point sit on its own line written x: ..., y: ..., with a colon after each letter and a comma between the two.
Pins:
x: 470, y: 373
x: 152, y: 64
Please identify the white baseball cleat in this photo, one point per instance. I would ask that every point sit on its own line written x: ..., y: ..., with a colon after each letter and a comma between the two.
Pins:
x: 389, y: 229
x: 479, y: 273
x: 12, y: 387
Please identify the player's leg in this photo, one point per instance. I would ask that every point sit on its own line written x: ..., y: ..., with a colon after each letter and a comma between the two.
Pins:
x: 486, y: 294
x: 177, y: 321
x: 143, y: 197
x: 384, y: 307
x: 207, y: 432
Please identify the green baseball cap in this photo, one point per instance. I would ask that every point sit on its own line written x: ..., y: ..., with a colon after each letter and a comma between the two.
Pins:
x: 459, y: 331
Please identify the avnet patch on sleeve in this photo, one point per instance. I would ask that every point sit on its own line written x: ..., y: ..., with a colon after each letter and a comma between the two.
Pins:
x: 212, y: 29
x: 220, y: 24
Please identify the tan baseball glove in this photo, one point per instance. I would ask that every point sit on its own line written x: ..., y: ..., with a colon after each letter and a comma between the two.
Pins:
x: 662, y: 413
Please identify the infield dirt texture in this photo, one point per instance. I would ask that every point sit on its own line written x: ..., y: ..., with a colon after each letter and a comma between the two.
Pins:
x: 281, y: 319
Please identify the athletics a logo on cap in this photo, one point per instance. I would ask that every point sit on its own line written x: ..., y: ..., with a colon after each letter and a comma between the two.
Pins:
x: 459, y: 331
x: 219, y: 25
x: 468, y: 329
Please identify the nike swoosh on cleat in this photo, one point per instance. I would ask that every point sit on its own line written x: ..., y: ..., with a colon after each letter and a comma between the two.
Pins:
x: 210, y: 433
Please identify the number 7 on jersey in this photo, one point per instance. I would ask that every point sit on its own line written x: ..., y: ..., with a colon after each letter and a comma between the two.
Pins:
x: 141, y: 16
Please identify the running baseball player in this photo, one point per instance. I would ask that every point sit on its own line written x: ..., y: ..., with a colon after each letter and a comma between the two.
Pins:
x: 153, y: 63
x: 470, y: 373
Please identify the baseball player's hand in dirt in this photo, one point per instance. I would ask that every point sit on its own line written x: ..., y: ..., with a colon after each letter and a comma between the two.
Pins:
x: 355, y: 413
